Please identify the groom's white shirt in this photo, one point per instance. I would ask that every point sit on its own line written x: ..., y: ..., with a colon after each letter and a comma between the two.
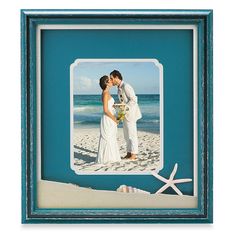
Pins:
x: 127, y: 94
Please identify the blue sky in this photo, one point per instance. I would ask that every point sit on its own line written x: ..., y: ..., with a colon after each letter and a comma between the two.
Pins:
x: 142, y: 76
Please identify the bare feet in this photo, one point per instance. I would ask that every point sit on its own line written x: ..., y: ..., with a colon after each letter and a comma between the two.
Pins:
x: 133, y: 157
x: 128, y: 155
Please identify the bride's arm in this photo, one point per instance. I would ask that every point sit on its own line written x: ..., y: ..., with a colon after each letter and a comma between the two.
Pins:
x: 105, y: 108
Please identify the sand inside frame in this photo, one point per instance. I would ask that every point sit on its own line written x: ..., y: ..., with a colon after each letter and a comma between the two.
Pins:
x: 60, y: 195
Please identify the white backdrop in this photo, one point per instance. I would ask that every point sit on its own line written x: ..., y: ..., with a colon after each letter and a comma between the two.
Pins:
x: 224, y: 117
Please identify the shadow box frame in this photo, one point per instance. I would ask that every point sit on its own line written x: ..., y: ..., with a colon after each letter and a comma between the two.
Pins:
x: 203, y: 20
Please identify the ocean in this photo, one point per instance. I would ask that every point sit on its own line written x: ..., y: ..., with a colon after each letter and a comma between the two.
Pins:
x: 88, y: 111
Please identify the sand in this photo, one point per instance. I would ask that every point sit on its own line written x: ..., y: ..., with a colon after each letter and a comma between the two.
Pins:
x: 60, y: 195
x: 86, y: 147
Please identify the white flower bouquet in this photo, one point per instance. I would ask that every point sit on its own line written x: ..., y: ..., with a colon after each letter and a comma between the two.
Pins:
x: 121, y: 110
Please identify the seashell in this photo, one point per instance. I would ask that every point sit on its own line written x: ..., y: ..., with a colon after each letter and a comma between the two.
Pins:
x: 129, y: 189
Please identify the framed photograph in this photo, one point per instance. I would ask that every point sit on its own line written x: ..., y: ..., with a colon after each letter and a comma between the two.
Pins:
x: 117, y: 116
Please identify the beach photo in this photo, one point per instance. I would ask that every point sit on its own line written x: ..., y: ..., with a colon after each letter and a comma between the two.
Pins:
x: 116, y: 116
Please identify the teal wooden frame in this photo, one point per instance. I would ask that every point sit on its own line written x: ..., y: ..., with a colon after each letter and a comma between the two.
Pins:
x: 30, y: 213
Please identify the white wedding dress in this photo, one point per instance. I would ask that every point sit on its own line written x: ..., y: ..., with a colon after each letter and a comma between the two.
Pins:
x: 108, y: 150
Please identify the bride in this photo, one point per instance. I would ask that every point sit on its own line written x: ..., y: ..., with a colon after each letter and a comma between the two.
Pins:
x: 108, y: 150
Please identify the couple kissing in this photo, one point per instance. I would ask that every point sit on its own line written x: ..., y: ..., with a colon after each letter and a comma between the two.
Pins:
x: 108, y: 150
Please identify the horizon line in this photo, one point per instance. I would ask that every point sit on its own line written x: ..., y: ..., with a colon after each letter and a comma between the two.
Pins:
x: 116, y: 94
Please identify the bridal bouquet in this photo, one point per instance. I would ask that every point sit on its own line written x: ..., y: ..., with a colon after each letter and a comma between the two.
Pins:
x: 121, y: 111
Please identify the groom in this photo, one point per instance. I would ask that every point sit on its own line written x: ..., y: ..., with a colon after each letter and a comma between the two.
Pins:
x: 127, y: 95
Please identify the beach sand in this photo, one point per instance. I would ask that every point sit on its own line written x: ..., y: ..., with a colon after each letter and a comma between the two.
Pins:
x: 86, y: 147
x: 61, y: 195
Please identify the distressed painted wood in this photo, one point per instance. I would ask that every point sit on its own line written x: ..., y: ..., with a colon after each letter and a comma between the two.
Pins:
x: 30, y: 212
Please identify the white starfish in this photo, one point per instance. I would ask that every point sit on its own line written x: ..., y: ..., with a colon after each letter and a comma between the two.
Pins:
x: 171, y: 181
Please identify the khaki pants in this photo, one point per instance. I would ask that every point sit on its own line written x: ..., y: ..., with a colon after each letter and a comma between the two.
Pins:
x: 131, y: 136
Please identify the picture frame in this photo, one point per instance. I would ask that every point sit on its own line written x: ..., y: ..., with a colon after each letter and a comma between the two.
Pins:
x: 181, y: 41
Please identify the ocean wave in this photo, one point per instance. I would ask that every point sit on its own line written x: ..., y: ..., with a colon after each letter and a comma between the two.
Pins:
x: 149, y: 121
x: 87, y: 108
x: 86, y: 122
